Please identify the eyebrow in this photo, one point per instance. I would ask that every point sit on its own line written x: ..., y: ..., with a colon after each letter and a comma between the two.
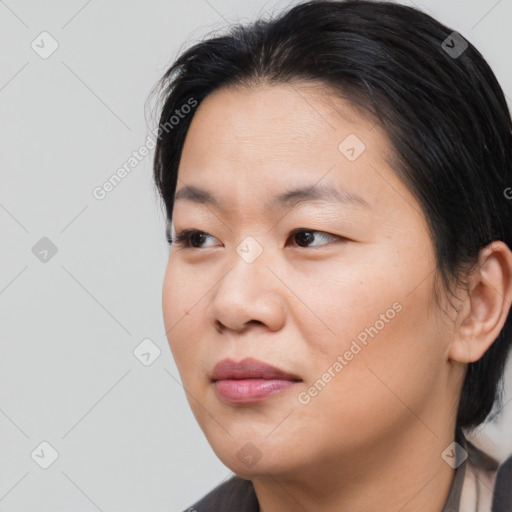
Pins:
x: 326, y: 192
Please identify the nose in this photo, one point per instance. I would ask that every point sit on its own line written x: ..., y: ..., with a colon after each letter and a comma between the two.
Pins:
x: 249, y: 293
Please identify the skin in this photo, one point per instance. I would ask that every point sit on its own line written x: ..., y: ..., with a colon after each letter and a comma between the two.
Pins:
x: 372, y: 438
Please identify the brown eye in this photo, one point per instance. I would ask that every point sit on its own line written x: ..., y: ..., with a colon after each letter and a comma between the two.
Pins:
x: 305, y: 237
x: 196, y: 238
x: 189, y: 239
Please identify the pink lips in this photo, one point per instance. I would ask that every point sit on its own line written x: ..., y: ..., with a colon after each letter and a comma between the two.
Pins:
x: 249, y: 380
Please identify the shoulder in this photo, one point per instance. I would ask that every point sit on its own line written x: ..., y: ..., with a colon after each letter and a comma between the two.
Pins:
x: 488, y: 484
x: 234, y: 495
x: 502, y: 498
x: 479, y: 480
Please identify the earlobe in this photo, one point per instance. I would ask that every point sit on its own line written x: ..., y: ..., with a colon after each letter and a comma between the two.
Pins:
x: 486, y: 304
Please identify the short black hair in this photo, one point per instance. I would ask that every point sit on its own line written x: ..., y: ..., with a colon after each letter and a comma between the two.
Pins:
x: 436, y: 99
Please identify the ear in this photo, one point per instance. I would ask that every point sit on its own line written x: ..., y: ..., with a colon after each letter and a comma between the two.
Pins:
x: 486, y: 304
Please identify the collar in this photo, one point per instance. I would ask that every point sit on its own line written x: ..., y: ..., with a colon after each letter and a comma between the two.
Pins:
x: 473, y: 481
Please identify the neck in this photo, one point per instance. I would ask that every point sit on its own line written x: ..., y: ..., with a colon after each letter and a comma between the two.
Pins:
x: 405, y: 473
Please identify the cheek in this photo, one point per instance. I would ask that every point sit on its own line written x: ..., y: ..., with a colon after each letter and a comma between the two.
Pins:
x: 183, y: 293
x: 375, y: 317
x: 391, y: 354
x: 344, y: 300
x: 182, y: 307
x: 170, y: 300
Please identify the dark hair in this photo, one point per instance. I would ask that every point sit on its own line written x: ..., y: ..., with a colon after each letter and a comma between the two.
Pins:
x: 437, y: 100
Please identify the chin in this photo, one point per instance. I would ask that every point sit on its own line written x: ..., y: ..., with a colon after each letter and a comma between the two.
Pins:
x: 249, y: 458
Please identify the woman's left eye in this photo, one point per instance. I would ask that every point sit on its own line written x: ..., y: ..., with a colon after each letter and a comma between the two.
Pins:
x: 189, y: 238
x: 308, y: 235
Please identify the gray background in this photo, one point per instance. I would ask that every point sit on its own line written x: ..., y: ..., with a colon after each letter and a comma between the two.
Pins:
x: 125, y: 437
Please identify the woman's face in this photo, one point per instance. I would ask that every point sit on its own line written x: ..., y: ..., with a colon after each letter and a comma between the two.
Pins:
x: 345, y: 305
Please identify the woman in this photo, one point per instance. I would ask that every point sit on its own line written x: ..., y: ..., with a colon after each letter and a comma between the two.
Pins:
x: 337, y: 183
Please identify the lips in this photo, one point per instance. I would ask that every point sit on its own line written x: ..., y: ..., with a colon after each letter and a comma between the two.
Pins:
x: 249, y: 368
x: 249, y: 381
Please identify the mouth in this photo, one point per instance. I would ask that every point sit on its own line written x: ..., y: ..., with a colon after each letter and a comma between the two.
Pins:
x: 249, y: 380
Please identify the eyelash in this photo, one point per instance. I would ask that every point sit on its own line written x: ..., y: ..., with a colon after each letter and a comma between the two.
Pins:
x: 183, y: 239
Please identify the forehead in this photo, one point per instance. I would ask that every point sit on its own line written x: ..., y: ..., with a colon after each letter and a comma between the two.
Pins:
x: 287, y: 121
x: 252, y: 144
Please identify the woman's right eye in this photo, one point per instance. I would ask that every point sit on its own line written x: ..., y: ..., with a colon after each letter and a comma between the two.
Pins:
x: 189, y: 238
